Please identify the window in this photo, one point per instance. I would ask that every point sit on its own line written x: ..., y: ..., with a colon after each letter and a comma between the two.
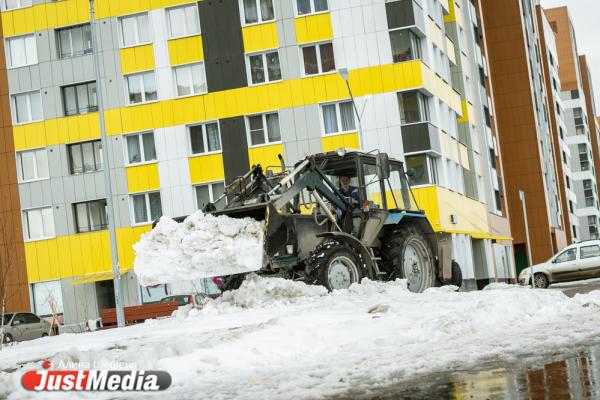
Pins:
x: 311, y: 6
x: 85, y: 157
x: 74, y: 41
x: 209, y: 194
x: 80, y: 99
x: 38, y: 223
x: 90, y: 216
x: 146, y: 207
x: 258, y: 11
x: 413, y: 107
x: 141, y: 87
x: 205, y: 138
x: 14, y: 4
x: 32, y: 165
x: 567, y: 255
x: 318, y: 58
x: 424, y: 169
x: 190, y: 79
x: 21, y: 51
x: 584, y: 162
x: 589, y: 251
x: 588, y: 192
x: 183, y: 21
x: 264, y: 67
x: 338, y: 117
x: 406, y: 45
x: 134, y: 29
x: 140, y: 148
x: 27, y: 107
x: 41, y: 292
x: 263, y: 128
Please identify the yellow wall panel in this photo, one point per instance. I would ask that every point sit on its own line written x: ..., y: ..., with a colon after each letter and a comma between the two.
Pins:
x: 81, y: 254
x: 260, y: 37
x: 186, y: 50
x: 334, y: 142
x: 208, y: 168
x: 266, y: 156
x: 313, y: 28
x: 136, y: 59
x: 71, y: 12
x: 143, y: 178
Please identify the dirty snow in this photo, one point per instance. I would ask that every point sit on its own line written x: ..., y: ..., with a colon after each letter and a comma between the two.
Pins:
x: 202, y: 246
x: 280, y: 339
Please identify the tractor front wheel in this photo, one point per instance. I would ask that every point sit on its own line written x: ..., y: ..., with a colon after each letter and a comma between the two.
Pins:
x: 337, y: 266
x: 408, y: 256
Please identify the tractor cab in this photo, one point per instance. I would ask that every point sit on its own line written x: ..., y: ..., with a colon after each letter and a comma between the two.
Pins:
x: 376, y: 180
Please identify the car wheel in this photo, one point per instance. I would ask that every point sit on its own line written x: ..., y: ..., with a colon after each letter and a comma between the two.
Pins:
x: 7, y: 338
x: 541, y: 281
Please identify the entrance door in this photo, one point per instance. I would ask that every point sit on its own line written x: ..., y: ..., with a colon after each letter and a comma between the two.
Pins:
x: 105, y: 293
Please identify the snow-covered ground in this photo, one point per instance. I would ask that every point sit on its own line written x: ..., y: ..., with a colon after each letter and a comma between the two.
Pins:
x: 279, y: 339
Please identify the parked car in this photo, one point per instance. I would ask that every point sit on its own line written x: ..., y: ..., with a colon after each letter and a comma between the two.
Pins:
x: 184, y: 299
x: 575, y: 262
x: 24, y: 326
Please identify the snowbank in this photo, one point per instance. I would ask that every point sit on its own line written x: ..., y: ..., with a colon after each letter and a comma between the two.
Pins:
x: 202, y: 246
x: 279, y: 339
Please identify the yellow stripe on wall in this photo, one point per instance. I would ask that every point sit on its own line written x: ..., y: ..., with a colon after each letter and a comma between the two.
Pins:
x: 260, y: 37
x: 186, y: 50
x: 250, y: 100
x: 266, y: 156
x: 313, y: 28
x: 55, y: 131
x: 82, y: 254
x: 334, y: 142
x: 63, y: 13
x: 143, y: 178
x: 138, y: 58
x: 207, y: 168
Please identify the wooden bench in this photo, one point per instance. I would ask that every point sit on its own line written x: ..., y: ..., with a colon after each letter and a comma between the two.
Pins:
x: 137, y: 314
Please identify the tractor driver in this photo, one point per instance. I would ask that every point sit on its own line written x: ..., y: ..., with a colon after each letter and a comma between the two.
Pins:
x: 348, y: 191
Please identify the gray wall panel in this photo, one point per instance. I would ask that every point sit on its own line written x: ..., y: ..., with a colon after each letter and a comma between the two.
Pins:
x: 61, y: 225
x: 58, y: 191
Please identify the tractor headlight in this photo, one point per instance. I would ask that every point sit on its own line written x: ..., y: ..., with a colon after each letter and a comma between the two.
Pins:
x: 341, y: 151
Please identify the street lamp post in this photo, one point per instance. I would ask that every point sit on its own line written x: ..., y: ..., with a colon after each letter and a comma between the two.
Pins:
x: 106, y: 160
x: 345, y: 76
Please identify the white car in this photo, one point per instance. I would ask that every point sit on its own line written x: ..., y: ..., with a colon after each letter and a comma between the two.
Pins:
x: 575, y: 262
x: 23, y: 326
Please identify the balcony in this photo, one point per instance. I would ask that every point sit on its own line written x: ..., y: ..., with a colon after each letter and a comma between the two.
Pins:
x: 420, y: 137
x: 406, y: 14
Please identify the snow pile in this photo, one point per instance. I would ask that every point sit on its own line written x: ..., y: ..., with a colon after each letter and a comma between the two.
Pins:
x: 202, y: 246
x: 279, y: 339
x: 256, y: 291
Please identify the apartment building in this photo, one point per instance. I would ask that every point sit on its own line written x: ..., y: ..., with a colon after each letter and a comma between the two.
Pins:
x: 478, y: 131
x: 196, y: 93
x: 14, y: 289
x: 563, y: 158
x: 512, y: 37
x: 581, y: 137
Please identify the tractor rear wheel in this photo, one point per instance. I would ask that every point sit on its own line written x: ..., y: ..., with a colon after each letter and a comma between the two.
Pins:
x: 337, y: 266
x: 407, y: 255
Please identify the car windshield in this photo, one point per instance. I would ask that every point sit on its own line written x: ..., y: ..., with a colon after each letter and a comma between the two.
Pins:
x: 7, y: 318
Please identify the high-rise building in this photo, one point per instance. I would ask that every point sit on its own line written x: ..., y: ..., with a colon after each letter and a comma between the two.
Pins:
x: 512, y: 37
x: 14, y: 289
x: 563, y: 157
x: 478, y: 131
x: 581, y: 138
x: 196, y: 93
